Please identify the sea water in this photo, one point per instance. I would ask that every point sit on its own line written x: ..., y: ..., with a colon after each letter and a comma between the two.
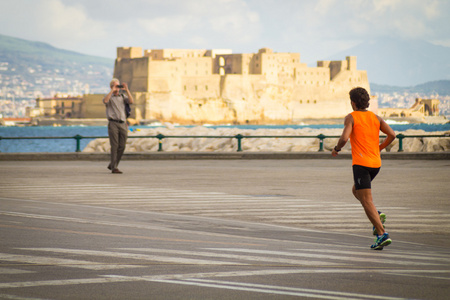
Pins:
x: 69, y: 145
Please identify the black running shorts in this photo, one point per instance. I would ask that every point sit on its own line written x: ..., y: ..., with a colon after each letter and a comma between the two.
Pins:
x: 363, y: 176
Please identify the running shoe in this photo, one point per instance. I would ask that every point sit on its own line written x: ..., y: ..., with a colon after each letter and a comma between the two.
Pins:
x: 381, y: 242
x: 382, y: 219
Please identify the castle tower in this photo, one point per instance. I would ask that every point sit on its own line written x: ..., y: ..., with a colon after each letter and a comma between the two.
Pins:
x: 129, y: 52
x: 351, y: 63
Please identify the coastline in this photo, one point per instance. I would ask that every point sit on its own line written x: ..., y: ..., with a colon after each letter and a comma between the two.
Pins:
x: 56, y: 122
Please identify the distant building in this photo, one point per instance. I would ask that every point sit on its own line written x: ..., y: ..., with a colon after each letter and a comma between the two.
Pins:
x: 216, y: 86
x: 58, y: 106
x: 421, y: 108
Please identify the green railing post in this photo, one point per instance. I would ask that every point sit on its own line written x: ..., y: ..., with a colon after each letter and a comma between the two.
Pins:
x: 239, y: 138
x: 78, y: 139
x: 400, y: 142
x: 321, y: 137
x: 160, y: 138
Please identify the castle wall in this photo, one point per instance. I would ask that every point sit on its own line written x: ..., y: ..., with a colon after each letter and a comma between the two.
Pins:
x: 204, y: 86
x: 201, y: 87
x: 93, y: 106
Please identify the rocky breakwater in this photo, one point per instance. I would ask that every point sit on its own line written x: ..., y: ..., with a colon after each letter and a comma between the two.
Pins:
x: 249, y: 143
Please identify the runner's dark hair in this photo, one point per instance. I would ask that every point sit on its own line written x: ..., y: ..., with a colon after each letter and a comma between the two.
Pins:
x: 360, y: 97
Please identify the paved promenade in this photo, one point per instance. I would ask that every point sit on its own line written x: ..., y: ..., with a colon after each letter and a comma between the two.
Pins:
x: 220, y: 229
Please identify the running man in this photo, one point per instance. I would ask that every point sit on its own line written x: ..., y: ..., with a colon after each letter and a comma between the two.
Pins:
x: 363, y: 128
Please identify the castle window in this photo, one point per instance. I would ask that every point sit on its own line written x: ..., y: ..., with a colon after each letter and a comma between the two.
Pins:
x: 206, y: 87
x: 301, y: 101
x: 196, y: 88
x: 315, y: 101
x: 184, y: 87
x: 307, y: 101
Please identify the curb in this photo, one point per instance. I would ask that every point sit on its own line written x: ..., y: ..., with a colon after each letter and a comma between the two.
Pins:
x: 213, y: 155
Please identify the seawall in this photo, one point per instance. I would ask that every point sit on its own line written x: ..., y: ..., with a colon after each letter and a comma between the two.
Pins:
x: 213, y: 155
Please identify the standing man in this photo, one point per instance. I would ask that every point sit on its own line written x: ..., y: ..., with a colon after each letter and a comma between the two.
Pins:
x: 363, y: 128
x: 117, y: 125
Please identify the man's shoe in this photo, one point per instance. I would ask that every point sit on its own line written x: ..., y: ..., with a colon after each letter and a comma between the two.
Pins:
x: 116, y: 171
x: 382, y: 219
x: 381, y: 242
x: 109, y: 166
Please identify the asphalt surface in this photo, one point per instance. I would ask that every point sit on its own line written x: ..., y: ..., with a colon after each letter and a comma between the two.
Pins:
x: 221, y: 229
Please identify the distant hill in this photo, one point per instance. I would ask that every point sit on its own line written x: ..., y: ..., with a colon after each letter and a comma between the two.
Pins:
x: 19, y: 50
x: 400, y: 62
x: 40, y: 66
x: 440, y: 87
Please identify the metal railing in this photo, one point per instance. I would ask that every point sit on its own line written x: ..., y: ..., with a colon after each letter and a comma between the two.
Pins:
x: 238, y: 137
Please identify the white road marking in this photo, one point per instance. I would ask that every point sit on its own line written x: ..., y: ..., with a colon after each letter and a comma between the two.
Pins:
x: 401, y: 273
x: 389, y: 254
x: 158, y: 258
x: 9, y: 271
x: 279, y: 290
x: 62, y: 262
x: 373, y: 259
x: 14, y: 297
x: 264, y: 259
x: 8, y: 285
x: 294, y: 210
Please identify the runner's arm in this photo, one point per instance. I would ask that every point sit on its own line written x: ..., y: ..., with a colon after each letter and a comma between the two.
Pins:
x: 348, y: 127
x: 390, y: 134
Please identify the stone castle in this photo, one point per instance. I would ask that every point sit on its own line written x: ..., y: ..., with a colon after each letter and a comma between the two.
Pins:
x: 219, y: 87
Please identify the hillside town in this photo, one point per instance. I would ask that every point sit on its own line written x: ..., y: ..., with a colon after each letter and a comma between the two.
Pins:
x: 20, y: 86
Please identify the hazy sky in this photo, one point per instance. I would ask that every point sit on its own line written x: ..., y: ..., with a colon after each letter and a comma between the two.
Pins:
x: 315, y: 29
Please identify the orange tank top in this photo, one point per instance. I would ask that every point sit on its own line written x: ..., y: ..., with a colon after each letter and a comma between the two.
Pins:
x: 365, y: 139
